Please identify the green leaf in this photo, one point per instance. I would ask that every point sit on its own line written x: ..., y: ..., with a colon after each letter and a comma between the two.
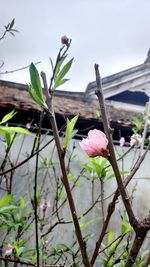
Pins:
x: 8, y: 116
x: 11, y: 24
x: 110, y: 237
x: 70, y: 176
x: 7, y: 130
x: 35, y: 80
x: 35, y: 97
x: 61, y: 82
x: 5, y: 200
x: 125, y: 226
x: 22, y: 203
x: 70, y: 132
x: 59, y: 64
x: 35, y: 88
x: 87, y: 223
x: 9, y: 138
x: 7, y: 208
x: 62, y: 73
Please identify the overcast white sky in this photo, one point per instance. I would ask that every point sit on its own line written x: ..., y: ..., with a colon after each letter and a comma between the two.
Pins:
x: 113, y: 33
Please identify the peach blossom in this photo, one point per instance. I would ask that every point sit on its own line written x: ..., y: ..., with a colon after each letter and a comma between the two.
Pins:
x: 122, y: 141
x: 95, y: 144
x: 9, y: 249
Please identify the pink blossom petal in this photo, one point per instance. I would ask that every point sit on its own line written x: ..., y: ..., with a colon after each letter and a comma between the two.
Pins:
x: 95, y: 144
x: 9, y: 249
x: 122, y: 141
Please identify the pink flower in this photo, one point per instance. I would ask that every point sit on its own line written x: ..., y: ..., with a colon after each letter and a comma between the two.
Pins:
x: 122, y: 141
x: 135, y: 139
x: 95, y: 144
x: 9, y: 249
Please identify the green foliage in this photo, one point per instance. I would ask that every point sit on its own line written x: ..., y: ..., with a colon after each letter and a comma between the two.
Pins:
x: 138, y: 123
x: 61, y: 73
x: 125, y: 227
x: 8, y: 130
x: 97, y: 167
x: 87, y: 223
x: 5, y: 200
x: 35, y: 89
x: 10, y: 28
x: 70, y: 132
x: 8, y: 116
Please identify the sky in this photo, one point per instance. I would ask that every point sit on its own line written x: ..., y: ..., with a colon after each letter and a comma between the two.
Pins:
x: 112, y: 33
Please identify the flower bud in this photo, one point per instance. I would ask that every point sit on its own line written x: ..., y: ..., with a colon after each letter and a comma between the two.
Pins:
x: 64, y: 40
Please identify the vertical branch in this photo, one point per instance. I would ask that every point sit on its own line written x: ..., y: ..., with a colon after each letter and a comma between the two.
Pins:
x: 51, y: 116
x: 35, y: 194
x: 112, y: 157
x: 102, y: 198
x: 147, y: 262
x: 138, y: 241
x: 110, y: 211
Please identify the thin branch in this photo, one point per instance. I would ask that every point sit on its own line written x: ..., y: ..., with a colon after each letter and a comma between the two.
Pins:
x: 51, y: 116
x: 35, y: 193
x: 18, y: 69
x: 112, y: 157
x: 27, y: 159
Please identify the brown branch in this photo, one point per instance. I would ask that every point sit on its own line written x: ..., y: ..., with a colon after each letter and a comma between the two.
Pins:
x: 51, y: 116
x: 111, y: 206
x: 147, y: 262
x: 112, y: 157
x: 26, y: 160
x: 141, y: 230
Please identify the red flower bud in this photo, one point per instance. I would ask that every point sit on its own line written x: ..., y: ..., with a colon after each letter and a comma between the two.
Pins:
x: 64, y: 40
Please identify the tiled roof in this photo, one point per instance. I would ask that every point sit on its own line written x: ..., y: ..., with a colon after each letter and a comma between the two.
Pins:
x: 65, y: 104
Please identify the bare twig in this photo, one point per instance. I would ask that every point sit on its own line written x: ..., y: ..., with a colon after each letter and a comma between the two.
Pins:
x: 18, y: 69
x: 51, y: 116
x: 112, y: 157
x: 27, y: 159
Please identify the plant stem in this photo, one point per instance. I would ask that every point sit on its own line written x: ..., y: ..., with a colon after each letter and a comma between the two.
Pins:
x: 112, y: 157
x: 51, y: 116
x: 35, y: 194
